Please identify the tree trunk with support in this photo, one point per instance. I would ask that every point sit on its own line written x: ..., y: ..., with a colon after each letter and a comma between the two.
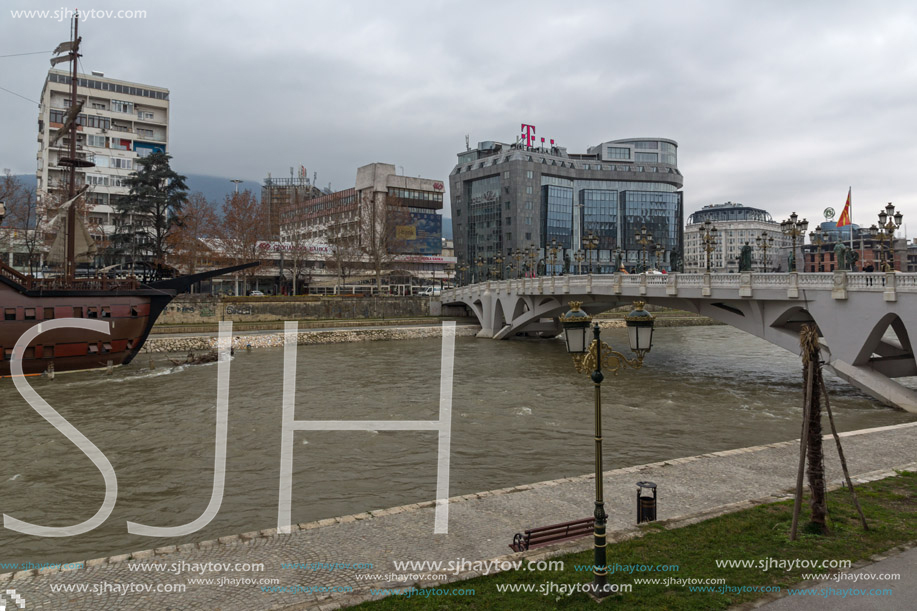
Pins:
x: 814, y: 450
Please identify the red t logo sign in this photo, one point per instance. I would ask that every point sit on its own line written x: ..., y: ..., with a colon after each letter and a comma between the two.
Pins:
x: 528, y: 134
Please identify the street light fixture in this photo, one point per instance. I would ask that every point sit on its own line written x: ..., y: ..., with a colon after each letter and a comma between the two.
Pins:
x: 709, y: 240
x: 764, y: 242
x: 518, y: 256
x: 889, y: 221
x: 480, y: 262
x: 795, y: 229
x: 819, y: 239
x: 660, y: 256
x: 462, y: 268
x: 643, y: 237
x: 553, y: 249
x: 590, y: 243
x: 589, y: 357
x: 579, y: 256
x: 498, y: 261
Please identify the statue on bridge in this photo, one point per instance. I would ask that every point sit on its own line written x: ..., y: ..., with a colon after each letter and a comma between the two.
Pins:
x: 852, y: 258
x: 745, y: 259
x: 618, y: 261
x: 840, y: 256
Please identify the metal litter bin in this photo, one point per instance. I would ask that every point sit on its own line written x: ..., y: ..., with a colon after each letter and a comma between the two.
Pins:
x: 646, y: 504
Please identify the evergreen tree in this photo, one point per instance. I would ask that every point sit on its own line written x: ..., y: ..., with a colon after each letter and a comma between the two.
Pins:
x: 149, y: 212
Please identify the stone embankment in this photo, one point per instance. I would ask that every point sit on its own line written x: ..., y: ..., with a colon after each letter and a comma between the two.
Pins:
x: 663, y: 321
x: 275, y: 340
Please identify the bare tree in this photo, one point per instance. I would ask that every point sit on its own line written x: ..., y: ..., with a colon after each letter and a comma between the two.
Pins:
x: 245, y: 223
x: 24, y: 219
x: 345, y: 255
x: 384, y: 232
x: 301, y: 251
x: 196, y: 222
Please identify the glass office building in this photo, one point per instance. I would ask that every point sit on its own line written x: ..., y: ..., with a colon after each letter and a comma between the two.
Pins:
x: 511, y: 197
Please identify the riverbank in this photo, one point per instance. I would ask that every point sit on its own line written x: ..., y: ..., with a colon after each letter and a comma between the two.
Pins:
x: 184, y: 339
x: 337, y: 562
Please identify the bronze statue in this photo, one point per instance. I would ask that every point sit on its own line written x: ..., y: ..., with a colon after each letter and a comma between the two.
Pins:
x: 840, y: 257
x: 745, y: 259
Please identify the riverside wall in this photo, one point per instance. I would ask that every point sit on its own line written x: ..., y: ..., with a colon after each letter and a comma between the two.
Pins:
x: 203, y: 309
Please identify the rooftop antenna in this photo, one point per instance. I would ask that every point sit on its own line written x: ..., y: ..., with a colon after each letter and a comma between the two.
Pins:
x: 467, y: 142
x: 291, y: 173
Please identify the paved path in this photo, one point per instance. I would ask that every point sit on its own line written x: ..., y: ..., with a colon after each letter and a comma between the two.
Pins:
x: 865, y: 589
x: 480, y: 528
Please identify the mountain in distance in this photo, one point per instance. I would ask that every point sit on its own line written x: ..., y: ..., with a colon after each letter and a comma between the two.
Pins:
x: 216, y: 188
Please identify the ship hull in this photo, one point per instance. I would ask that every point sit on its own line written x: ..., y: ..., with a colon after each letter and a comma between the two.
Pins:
x: 130, y: 315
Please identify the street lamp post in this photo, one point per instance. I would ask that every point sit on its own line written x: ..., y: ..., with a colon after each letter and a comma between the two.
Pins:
x: 660, y: 256
x: 553, y: 250
x: 498, y: 261
x: 643, y: 237
x: 794, y: 229
x: 590, y: 243
x: 462, y: 268
x: 579, y: 256
x: 885, y: 232
x: 480, y: 265
x: 818, y: 239
x: 709, y: 240
x: 590, y: 357
x: 764, y: 242
x: 518, y: 256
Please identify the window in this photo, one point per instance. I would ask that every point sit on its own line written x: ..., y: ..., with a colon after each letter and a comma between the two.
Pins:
x: 509, y: 220
x: 508, y: 205
x: 528, y: 236
x: 646, y: 145
x: 121, y: 106
x: 121, y: 164
x: 77, y: 312
x: 506, y: 174
x: 94, y: 140
x: 49, y: 314
x: 30, y: 314
x: 528, y: 190
x: 97, y: 106
x: 530, y: 174
x: 9, y: 314
x: 586, y: 166
x: 650, y: 157
x: 144, y: 115
x: 616, y: 152
x: 528, y: 205
x: 146, y: 133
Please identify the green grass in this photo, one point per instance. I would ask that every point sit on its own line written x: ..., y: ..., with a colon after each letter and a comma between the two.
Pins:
x: 758, y: 533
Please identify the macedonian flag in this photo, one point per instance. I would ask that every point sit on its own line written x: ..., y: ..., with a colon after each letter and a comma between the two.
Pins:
x: 845, y: 215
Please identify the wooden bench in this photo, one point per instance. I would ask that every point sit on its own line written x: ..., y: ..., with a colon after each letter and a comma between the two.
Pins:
x: 546, y: 535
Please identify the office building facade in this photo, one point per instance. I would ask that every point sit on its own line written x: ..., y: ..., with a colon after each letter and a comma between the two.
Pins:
x: 508, y: 198
x: 120, y: 122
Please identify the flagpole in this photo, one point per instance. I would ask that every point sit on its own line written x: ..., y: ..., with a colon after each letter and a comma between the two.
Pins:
x: 850, y: 199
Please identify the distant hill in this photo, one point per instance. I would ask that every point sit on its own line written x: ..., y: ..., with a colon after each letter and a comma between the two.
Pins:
x: 216, y: 188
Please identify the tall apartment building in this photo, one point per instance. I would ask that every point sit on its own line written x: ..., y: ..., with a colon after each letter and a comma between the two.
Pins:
x: 278, y: 194
x: 120, y: 122
x: 517, y: 196
x: 736, y: 224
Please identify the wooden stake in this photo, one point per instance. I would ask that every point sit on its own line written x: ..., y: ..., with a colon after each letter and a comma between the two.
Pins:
x: 797, y: 505
x: 840, y: 453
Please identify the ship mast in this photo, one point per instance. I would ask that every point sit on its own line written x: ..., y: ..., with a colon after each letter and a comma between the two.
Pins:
x: 71, y: 123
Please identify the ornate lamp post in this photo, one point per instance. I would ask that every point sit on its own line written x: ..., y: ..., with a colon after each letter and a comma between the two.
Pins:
x: 461, y: 270
x: 660, y: 256
x: 532, y: 253
x: 579, y: 256
x: 643, y: 237
x: 818, y: 239
x: 889, y: 220
x: 590, y: 357
x: 518, y: 256
x: 553, y: 249
x: 480, y: 264
x: 498, y: 261
x: 708, y: 238
x: 590, y: 243
x: 764, y: 242
x: 794, y: 228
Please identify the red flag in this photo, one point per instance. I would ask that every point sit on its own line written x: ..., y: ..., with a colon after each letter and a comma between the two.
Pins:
x: 845, y: 215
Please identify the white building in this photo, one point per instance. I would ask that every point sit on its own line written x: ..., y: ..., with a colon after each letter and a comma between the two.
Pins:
x: 120, y: 122
x: 736, y: 224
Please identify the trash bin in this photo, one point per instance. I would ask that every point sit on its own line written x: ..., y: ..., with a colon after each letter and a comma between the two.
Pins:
x: 646, y: 504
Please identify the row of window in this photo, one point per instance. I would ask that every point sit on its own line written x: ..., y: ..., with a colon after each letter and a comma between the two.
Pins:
x: 105, y: 86
x: 49, y: 351
x: 411, y: 194
x: 118, y: 311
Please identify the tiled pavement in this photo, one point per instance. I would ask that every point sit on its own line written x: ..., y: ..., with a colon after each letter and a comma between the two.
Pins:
x: 480, y: 528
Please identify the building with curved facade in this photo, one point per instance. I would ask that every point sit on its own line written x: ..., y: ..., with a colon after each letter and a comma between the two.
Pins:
x: 736, y: 224
x: 509, y: 197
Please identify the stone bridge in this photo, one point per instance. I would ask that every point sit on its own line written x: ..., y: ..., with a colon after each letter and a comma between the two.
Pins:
x: 864, y: 319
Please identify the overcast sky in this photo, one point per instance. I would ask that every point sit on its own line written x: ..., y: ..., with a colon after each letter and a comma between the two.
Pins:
x: 781, y: 105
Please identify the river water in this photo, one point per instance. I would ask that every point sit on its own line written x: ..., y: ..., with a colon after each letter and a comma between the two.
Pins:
x: 521, y: 414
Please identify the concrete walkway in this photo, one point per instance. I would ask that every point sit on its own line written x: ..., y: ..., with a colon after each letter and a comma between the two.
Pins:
x: 481, y: 526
